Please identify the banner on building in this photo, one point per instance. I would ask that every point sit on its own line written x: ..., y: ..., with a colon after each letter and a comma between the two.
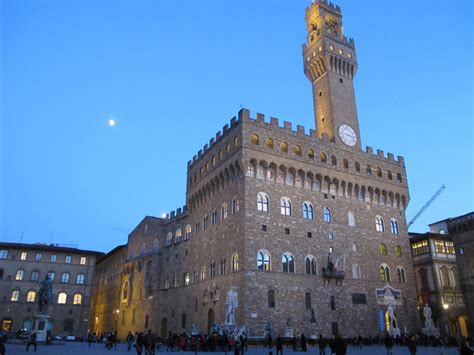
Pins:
x: 388, y: 295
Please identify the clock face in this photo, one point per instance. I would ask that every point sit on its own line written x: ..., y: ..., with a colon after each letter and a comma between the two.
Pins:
x: 348, y: 135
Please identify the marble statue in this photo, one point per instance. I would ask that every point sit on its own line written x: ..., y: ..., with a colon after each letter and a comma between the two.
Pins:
x: 427, y: 314
x: 393, y: 319
x: 231, y: 303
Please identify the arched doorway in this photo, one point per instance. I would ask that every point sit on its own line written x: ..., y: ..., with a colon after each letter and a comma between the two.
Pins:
x: 164, y: 328
x: 26, y: 324
x: 463, y: 326
x: 7, y: 324
x: 210, y: 320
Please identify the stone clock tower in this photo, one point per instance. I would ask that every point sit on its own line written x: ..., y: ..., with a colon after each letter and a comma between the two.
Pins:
x: 330, y: 64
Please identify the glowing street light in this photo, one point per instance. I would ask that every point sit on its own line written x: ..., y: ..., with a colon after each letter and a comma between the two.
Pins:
x: 446, y: 306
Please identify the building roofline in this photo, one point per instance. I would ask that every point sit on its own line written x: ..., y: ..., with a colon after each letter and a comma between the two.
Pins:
x: 452, y: 218
x: 48, y: 247
x: 110, y: 253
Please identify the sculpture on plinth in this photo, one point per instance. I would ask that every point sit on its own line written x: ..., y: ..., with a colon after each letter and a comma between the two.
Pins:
x: 45, y: 294
x: 429, y: 328
x: 231, y: 303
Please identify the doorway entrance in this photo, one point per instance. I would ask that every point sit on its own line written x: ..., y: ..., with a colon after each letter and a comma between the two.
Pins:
x: 210, y: 320
x: 164, y: 328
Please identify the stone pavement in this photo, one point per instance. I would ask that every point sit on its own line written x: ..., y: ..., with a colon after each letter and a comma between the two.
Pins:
x: 96, y: 349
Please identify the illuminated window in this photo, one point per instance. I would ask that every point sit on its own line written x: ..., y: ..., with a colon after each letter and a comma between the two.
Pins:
x: 224, y: 211
x: 235, y: 262
x: 284, y: 147
x: 187, y: 232
x: 297, y: 150
x: 398, y: 251
x: 449, y: 247
x: 15, y: 296
x: 65, y: 277
x: 214, y: 160
x: 77, y: 299
x: 383, y: 249
x: 263, y: 260
x: 384, y: 273
x: 80, y: 279
x: 379, y: 224
x: 288, y: 263
x: 227, y: 148
x: 62, y: 298
x: 83, y: 260
x: 23, y: 255
x: 262, y: 202
x: 285, y: 206
x: 419, y: 248
x: 30, y: 296
x: 221, y: 154
x: 255, y: 139
x: 19, y: 275
x: 310, y: 153
x: 308, y: 210
x: 177, y: 235
x: 269, y: 143
x: 439, y: 246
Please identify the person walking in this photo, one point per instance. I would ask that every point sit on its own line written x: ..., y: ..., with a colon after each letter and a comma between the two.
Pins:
x: 150, y: 343
x: 304, y: 344
x: 89, y: 338
x: 323, y: 344
x: 340, y: 347
x: 3, y: 340
x: 388, y: 344
x: 270, y: 341
x: 139, y: 343
x: 279, y: 345
x: 412, y: 345
x: 129, y: 340
x: 32, y: 341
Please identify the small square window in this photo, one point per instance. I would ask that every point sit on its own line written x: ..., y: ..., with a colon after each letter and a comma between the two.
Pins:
x: 38, y: 256
x: 287, y: 230
x: 53, y: 258
x: 83, y: 260
x: 331, y: 236
x: 68, y: 259
x: 326, y: 196
x: 23, y: 255
x: 310, y: 235
x: 264, y: 227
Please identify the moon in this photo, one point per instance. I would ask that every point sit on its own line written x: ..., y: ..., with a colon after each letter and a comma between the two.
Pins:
x: 111, y: 122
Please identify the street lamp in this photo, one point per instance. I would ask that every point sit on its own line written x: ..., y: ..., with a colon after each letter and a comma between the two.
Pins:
x: 446, y: 326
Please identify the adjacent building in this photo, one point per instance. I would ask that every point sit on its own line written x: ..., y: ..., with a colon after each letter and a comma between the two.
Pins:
x: 306, y: 226
x: 24, y: 266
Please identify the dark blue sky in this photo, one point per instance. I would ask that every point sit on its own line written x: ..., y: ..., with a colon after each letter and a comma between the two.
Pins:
x: 172, y: 73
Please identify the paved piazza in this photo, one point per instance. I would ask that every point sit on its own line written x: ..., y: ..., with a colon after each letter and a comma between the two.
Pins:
x: 81, y: 348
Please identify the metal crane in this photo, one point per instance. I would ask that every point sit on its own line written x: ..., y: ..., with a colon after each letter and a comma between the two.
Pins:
x: 434, y: 197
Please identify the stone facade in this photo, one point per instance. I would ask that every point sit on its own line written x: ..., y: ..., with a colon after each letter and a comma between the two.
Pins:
x: 260, y: 193
x: 437, y: 281
x: 24, y: 266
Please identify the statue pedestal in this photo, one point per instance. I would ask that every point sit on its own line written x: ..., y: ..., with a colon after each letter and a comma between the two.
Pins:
x: 395, y: 332
x: 289, y: 332
x: 40, y: 324
x: 430, y: 330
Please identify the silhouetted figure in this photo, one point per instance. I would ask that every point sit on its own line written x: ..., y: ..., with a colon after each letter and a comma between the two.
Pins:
x: 304, y: 344
x: 412, y: 345
x: 340, y: 347
x: 322, y: 343
x: 279, y: 345
x: 270, y: 341
x: 3, y: 340
x: 129, y: 340
x: 388, y: 344
x: 31, y: 341
x: 139, y: 343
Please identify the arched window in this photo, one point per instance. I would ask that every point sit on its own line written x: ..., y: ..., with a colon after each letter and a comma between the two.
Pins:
x: 308, y: 210
x: 384, y: 272
x: 125, y: 291
x: 51, y: 275
x: 297, y: 150
x: 65, y: 278
x: 285, y: 206
x: 333, y: 160
x: 235, y: 205
x: 356, y: 274
x: 80, y: 279
x: 310, y: 265
x: 379, y: 224
x: 19, y: 275
x: 271, y: 299
x: 156, y: 245
x: 77, y: 299
x: 269, y: 143
x: 166, y: 283
x: 203, y: 272
x: 177, y: 235
x: 255, y: 139
x: 389, y: 175
x: 368, y: 170
x: 143, y: 249
x: 310, y: 153
x: 323, y: 157
x: 379, y: 172
x: 357, y: 167
x: 398, y: 251
x: 394, y: 226
x: 383, y: 249
x: 345, y: 162
x: 262, y: 202
x: 205, y: 222
x: 399, y: 177
x: 288, y: 263
x: 307, y: 300
x: 401, y: 274
x: 15, y: 296
x: 224, y: 211
x: 284, y: 147
x: 235, y: 262
x: 354, y: 247
x: 35, y: 275
x: 214, y: 217
x: 327, y: 215
x: 351, y: 219
x: 31, y: 296
x: 62, y: 298
x: 445, y: 277
x: 187, y: 232
x: 263, y: 260
x: 169, y: 238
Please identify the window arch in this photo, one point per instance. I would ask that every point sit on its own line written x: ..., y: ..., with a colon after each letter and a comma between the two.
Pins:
x: 31, y: 296
x: 269, y: 143
x: 255, y: 139
x: 262, y: 201
x: 351, y: 219
x: 384, y: 272
x: 235, y: 205
x: 345, y: 163
x: 169, y: 238
x: 125, y: 291
x: 235, y: 262
x: 356, y: 273
x: 354, y: 247
x: 62, y: 298
x: 15, y: 296
x: 271, y: 298
x: 333, y: 160
x: 394, y: 226
x: 284, y: 147
x: 156, y: 245
x: 19, y: 275
x: 285, y: 206
x: 379, y: 224
x: 379, y: 172
x: 297, y: 150
x: 327, y: 215
x: 65, y: 278
x: 357, y: 166
x: 177, y: 235
x: 214, y: 217
x: 143, y: 249
x: 203, y: 272
x: 401, y: 274
x: 383, y: 249
x: 187, y: 232
x: 399, y: 177
x: 288, y: 263
x: 77, y: 299
x: 398, y: 251
x: 35, y: 275
x: 80, y: 279
x: 368, y: 170
x: 224, y: 211
x: 307, y: 300
x: 310, y: 153
x: 308, y: 210
x: 389, y: 175
x: 310, y: 265
x: 263, y: 260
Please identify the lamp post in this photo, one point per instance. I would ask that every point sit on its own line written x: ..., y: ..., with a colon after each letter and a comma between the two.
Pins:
x: 446, y: 329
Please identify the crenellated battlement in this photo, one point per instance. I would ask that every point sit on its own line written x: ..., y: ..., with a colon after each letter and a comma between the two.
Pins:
x: 179, y: 212
x: 301, y: 132
x: 328, y: 6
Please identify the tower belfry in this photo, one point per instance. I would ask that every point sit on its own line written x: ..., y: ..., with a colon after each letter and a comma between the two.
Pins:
x: 330, y: 64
